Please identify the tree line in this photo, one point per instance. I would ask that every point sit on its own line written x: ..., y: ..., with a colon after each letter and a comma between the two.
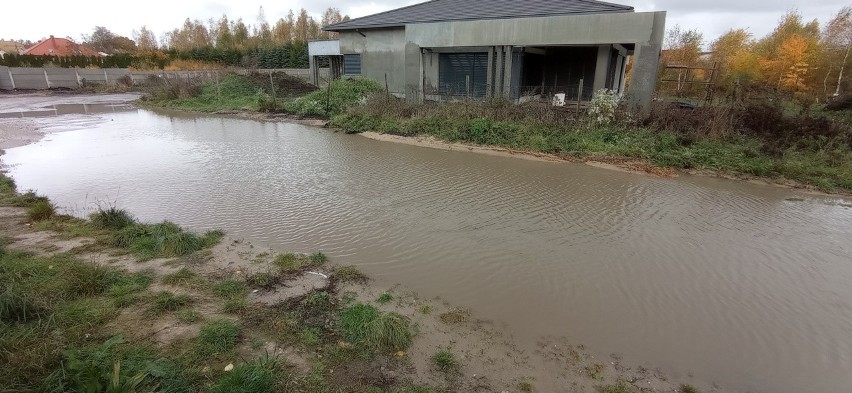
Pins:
x: 219, y: 42
x: 800, y: 59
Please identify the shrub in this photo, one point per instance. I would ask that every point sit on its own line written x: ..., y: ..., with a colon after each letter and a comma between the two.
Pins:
x: 41, y: 210
x: 335, y: 98
x: 603, y: 105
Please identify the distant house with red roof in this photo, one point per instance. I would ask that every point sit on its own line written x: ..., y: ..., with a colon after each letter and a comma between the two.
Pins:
x: 61, y: 47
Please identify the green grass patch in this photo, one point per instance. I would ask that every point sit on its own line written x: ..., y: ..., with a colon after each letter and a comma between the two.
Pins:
x: 217, y: 337
x: 230, y: 288
x: 258, y: 376
x: 366, y: 326
x: 310, y: 336
x: 162, y: 240
x: 111, y: 218
x: 54, y: 308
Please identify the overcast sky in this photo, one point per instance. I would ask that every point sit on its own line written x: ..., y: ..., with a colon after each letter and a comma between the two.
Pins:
x: 61, y: 18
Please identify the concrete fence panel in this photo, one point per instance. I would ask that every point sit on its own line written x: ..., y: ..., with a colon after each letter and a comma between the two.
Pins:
x: 62, y: 78
x: 30, y: 78
x: 6, y: 79
x: 51, y: 78
x: 93, y: 75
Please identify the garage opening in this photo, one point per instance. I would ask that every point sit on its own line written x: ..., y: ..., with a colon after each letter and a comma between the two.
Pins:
x: 463, y: 74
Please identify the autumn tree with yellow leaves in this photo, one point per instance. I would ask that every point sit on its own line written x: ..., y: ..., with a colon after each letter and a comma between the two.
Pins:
x: 798, y: 58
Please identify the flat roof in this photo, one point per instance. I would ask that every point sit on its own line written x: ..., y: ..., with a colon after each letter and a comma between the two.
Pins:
x: 468, y: 10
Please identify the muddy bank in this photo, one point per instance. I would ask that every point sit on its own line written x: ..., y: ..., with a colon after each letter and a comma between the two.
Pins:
x: 18, y: 132
x: 613, y: 163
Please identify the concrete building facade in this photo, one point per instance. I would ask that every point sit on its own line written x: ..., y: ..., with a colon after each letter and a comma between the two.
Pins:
x: 506, y: 48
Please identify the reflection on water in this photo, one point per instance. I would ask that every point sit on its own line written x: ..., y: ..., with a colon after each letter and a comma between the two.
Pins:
x: 67, y: 109
x: 736, y: 283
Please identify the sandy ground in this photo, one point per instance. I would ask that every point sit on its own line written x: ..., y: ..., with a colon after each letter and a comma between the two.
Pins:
x: 18, y: 132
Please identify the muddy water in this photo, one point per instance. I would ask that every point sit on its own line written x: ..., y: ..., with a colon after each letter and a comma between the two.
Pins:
x: 743, y: 285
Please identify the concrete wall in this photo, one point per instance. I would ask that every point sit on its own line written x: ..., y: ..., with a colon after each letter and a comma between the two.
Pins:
x: 644, y: 30
x: 71, y: 78
x: 324, y: 48
x: 382, y: 53
x: 5, y: 79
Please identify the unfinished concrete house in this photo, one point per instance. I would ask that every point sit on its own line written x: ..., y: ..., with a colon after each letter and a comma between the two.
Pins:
x: 516, y: 49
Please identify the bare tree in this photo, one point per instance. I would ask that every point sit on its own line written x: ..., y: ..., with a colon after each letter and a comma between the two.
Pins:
x: 838, y: 35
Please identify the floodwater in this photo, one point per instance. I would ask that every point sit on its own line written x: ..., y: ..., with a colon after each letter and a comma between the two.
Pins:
x: 743, y: 285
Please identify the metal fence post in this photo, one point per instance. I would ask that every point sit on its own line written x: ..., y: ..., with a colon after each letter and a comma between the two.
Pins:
x: 579, y: 95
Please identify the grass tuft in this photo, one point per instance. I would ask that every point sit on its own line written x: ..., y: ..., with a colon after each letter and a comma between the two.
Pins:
x: 188, y: 316
x: 456, y: 316
x: 162, y: 240
x: 350, y: 273
x: 365, y: 325
x: 184, y: 278
x: 385, y: 298
x: 41, y: 210
x: 217, y: 337
x: 685, y: 388
x: 167, y: 302
x: 230, y: 288
x: 258, y: 376
x: 111, y: 218
x: 446, y: 362
x: 618, y: 387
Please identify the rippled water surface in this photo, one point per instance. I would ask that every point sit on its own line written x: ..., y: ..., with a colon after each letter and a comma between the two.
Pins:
x: 746, y: 285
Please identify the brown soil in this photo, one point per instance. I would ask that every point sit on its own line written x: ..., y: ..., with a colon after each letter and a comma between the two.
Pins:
x: 285, y: 85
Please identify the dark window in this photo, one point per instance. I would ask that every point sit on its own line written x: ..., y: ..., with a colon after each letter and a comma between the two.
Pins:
x: 351, y: 64
x: 463, y: 74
